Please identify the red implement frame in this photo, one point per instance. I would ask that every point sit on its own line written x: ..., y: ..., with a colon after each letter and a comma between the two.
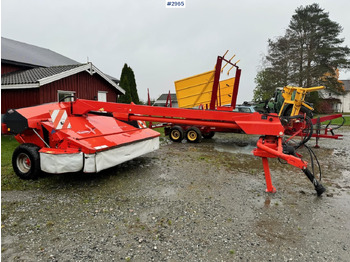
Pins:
x: 249, y: 123
x: 271, y: 147
x: 71, y: 141
x: 317, y: 131
x: 34, y: 120
x: 268, y: 146
x: 214, y: 94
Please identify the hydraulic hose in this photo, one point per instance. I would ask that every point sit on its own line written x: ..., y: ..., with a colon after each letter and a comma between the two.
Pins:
x: 318, y: 186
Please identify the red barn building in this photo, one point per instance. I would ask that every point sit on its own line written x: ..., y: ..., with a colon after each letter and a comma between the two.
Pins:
x: 32, y: 75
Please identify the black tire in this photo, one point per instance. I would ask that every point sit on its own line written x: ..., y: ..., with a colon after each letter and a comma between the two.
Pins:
x: 193, y: 135
x: 303, y: 110
x: 26, y: 161
x: 208, y: 135
x: 176, y: 134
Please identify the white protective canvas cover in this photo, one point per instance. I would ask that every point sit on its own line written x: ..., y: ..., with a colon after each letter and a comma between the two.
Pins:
x: 61, y: 163
x: 91, y: 163
x: 109, y: 158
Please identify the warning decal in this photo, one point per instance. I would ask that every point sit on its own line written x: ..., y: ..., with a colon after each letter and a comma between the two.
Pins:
x: 60, y: 119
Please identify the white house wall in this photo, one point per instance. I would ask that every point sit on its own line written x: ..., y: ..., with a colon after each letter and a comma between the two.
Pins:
x: 344, y: 106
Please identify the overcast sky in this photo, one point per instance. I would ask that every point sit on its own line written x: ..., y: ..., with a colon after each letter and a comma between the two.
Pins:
x: 160, y: 44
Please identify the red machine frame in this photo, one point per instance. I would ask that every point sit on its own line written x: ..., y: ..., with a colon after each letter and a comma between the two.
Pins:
x: 97, y: 127
x: 215, y: 104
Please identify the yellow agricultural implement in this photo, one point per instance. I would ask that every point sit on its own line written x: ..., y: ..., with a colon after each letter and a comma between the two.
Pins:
x: 296, y: 96
x: 207, y: 90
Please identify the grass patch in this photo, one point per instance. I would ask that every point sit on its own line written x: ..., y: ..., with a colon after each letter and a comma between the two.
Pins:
x: 337, y: 121
x: 160, y: 130
x: 8, y: 177
x: 9, y: 180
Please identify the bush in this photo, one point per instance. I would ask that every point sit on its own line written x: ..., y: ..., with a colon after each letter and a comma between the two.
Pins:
x: 324, y: 107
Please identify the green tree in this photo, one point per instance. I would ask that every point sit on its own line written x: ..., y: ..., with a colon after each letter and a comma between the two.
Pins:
x: 309, y: 54
x: 276, y: 69
x: 315, y: 48
x: 128, y: 83
x: 125, y: 84
x: 279, y: 60
x: 265, y: 85
x: 132, y: 86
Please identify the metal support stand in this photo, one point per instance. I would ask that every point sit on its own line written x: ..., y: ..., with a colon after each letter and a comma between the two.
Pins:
x: 318, y: 128
x: 271, y: 147
x: 269, y: 187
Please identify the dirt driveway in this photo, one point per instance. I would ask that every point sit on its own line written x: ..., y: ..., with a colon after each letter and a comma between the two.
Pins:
x: 186, y: 202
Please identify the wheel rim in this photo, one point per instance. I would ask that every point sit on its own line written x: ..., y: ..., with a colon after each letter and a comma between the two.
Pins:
x: 23, y: 163
x: 175, y: 134
x: 192, y: 135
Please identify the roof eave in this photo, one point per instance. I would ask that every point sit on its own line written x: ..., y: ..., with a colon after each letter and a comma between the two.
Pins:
x: 10, y: 62
x: 53, y: 78
x: 92, y: 69
x: 89, y: 67
x: 20, y: 86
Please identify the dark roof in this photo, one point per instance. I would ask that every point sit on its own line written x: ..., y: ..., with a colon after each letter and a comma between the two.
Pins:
x: 346, y: 85
x: 19, y: 53
x: 16, y: 52
x: 32, y: 76
x: 165, y: 96
x: 36, y: 77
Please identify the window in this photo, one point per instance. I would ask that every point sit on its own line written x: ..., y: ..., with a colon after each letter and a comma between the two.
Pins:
x: 65, y: 96
x: 102, y: 96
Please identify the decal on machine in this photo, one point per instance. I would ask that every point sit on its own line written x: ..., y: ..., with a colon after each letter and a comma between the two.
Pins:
x: 60, y: 119
x: 90, y: 130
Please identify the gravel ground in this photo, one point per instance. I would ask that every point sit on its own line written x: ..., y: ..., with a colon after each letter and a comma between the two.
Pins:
x: 186, y: 202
